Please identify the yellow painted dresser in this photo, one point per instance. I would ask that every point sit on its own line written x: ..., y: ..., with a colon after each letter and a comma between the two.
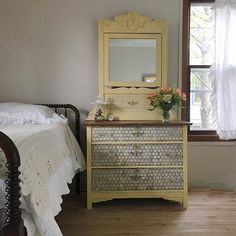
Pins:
x: 136, y: 159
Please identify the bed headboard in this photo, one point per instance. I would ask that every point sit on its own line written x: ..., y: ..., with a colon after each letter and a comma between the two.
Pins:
x: 71, y: 113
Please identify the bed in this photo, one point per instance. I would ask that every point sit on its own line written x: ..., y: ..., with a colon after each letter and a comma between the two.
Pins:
x: 50, y: 157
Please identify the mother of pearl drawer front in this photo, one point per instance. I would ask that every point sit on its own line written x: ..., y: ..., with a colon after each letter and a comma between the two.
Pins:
x: 137, y: 179
x: 137, y: 154
x: 137, y: 133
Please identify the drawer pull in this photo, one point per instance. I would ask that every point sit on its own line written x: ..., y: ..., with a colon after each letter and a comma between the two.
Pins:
x: 136, y: 150
x: 136, y: 153
x: 136, y: 146
x: 138, y: 133
x: 171, y: 155
x: 132, y: 103
x: 136, y: 176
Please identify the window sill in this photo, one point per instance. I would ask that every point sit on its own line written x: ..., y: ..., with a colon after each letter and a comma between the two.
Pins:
x: 214, y: 144
x: 203, y: 137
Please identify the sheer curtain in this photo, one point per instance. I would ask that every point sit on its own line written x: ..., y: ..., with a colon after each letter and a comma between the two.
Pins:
x: 225, y: 68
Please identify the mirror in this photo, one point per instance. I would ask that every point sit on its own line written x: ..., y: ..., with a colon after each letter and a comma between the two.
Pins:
x: 132, y: 53
x: 132, y: 60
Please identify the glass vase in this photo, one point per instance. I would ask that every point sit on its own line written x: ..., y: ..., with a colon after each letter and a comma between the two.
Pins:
x: 165, y: 115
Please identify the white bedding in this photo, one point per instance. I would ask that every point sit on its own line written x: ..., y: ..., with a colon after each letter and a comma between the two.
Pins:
x: 50, y: 156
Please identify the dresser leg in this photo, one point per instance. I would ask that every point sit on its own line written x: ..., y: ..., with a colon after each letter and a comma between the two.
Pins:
x: 89, y: 205
x: 89, y: 202
x: 185, y: 203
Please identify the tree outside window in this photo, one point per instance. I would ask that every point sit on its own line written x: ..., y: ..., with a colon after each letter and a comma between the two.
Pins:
x: 201, y: 57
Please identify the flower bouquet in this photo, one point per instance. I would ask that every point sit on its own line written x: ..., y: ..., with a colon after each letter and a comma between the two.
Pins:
x: 165, y: 99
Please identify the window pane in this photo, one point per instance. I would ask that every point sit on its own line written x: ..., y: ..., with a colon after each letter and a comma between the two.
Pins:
x: 202, y: 46
x: 201, y: 113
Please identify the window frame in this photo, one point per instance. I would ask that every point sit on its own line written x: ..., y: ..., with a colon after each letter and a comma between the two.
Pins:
x: 193, y: 135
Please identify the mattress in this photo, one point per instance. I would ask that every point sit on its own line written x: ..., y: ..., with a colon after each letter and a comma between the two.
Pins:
x: 50, y: 157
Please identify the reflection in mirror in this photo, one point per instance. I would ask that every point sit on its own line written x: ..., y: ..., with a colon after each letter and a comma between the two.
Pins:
x: 132, y: 60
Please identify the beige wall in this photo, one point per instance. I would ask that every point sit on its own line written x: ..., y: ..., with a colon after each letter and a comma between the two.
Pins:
x: 212, y: 164
x: 48, y: 54
x: 48, y: 48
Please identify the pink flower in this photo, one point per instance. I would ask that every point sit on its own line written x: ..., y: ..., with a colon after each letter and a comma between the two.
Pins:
x: 178, y: 91
x: 164, y: 89
x: 151, y: 95
x: 166, y: 98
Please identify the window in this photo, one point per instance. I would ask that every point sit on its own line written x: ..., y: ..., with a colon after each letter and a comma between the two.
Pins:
x: 198, y: 56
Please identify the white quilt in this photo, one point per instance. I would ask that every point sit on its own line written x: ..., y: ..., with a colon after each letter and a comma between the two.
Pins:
x: 50, y: 156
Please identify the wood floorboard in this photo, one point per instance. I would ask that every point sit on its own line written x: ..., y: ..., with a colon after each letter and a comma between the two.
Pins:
x: 210, y: 213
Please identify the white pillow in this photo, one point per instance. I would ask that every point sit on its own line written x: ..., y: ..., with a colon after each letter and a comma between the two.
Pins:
x: 20, y: 113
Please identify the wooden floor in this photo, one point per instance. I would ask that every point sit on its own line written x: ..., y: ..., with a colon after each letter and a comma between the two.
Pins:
x: 210, y: 213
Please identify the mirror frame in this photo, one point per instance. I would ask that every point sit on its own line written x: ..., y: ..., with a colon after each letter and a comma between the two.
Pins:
x: 131, y: 25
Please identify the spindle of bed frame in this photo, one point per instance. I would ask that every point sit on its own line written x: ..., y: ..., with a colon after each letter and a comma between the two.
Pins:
x: 13, y: 224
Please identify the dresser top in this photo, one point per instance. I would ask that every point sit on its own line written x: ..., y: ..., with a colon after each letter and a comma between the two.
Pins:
x: 134, y: 122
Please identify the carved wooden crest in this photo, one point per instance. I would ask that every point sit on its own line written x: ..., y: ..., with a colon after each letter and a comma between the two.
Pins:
x: 131, y: 22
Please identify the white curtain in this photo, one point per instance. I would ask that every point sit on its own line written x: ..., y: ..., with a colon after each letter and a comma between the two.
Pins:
x: 225, y: 68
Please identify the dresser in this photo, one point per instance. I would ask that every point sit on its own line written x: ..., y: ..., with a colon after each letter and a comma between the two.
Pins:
x: 136, y: 159
x: 135, y: 155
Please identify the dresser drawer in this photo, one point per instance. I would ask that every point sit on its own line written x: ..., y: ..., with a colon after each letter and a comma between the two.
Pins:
x: 137, y: 155
x: 137, y: 133
x: 128, y: 102
x: 137, y: 179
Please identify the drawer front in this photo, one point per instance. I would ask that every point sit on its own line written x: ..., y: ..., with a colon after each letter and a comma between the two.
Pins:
x: 137, y: 155
x: 137, y: 133
x: 137, y: 179
x: 129, y: 102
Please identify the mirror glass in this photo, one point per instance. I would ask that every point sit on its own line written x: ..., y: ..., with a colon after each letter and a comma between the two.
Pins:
x: 132, y: 60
